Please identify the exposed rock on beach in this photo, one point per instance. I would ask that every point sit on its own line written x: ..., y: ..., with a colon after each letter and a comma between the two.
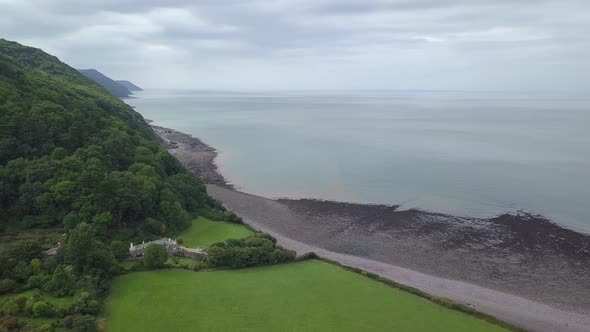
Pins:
x: 192, y: 153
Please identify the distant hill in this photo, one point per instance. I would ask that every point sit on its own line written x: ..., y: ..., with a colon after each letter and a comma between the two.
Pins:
x: 130, y: 86
x: 116, y: 89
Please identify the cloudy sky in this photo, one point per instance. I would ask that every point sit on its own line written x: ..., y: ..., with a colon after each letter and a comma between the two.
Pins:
x: 315, y: 44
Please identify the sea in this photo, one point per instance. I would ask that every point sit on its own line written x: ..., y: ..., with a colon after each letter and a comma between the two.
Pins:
x: 474, y: 154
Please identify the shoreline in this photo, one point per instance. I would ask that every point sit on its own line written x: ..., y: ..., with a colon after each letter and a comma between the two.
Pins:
x: 520, y: 268
x: 195, y: 155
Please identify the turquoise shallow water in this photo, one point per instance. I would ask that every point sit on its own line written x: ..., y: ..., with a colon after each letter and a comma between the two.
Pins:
x: 474, y: 154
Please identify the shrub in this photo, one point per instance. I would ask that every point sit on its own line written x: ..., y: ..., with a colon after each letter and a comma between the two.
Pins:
x: 306, y: 256
x: 84, y: 323
x: 38, y: 281
x: 265, y: 236
x: 21, y: 301
x: 10, y: 308
x: 43, y: 309
x: 218, y: 213
x: 282, y: 255
x: 71, y: 309
x: 92, y: 307
x: 155, y: 256
x: 217, y: 256
x: 257, y: 241
x: 137, y: 266
x: 199, y: 265
x: 36, y: 266
x: 7, y: 286
x: 29, y: 307
x: 22, y: 271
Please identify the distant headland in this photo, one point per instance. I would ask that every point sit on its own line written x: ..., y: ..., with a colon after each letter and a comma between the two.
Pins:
x: 120, y: 89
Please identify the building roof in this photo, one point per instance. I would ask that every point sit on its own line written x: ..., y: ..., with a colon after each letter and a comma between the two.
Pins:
x: 167, y: 242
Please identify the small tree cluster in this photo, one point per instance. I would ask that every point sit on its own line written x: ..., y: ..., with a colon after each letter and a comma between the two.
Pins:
x: 81, y: 323
x: 258, y: 249
x: 218, y: 212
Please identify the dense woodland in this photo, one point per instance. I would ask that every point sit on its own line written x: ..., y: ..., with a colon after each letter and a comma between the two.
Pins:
x: 79, y: 161
x: 72, y: 153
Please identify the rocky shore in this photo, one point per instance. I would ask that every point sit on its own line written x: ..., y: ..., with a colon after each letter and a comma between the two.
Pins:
x: 520, y: 254
x: 521, y: 268
x: 195, y: 155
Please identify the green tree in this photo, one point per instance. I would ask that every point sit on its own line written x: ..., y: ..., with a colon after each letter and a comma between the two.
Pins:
x: 59, y: 154
x: 189, y: 189
x: 60, y: 283
x: 84, y: 323
x: 119, y: 249
x: 155, y: 226
x: 43, y: 309
x: 23, y: 250
x: 10, y: 308
x: 71, y: 220
x: 36, y: 266
x: 79, y: 247
x: 101, y: 222
x: 64, y: 191
x: 21, y: 272
x: 7, y: 285
x: 155, y: 256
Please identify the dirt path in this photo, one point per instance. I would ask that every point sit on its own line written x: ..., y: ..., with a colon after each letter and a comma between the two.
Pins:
x: 279, y: 220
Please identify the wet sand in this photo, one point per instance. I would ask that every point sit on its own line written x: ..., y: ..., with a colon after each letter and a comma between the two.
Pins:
x: 520, y: 268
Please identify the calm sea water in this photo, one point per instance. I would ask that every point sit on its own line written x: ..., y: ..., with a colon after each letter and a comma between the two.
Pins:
x: 475, y: 154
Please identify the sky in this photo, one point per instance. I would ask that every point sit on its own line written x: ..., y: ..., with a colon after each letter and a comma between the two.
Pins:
x: 498, y: 45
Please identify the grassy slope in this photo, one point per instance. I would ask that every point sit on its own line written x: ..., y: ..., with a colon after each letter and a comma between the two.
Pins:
x: 306, y: 296
x: 205, y: 232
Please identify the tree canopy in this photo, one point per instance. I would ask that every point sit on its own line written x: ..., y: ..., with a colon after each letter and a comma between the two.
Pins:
x: 71, y: 153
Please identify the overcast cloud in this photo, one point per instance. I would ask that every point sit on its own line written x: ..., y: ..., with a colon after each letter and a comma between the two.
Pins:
x: 308, y: 44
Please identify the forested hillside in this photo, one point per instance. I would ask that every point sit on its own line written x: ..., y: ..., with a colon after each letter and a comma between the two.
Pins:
x: 72, y: 153
x: 76, y: 160
x: 81, y: 170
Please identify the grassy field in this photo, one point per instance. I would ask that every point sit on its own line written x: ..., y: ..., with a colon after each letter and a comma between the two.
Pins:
x: 46, y: 297
x: 305, y: 296
x: 205, y: 232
